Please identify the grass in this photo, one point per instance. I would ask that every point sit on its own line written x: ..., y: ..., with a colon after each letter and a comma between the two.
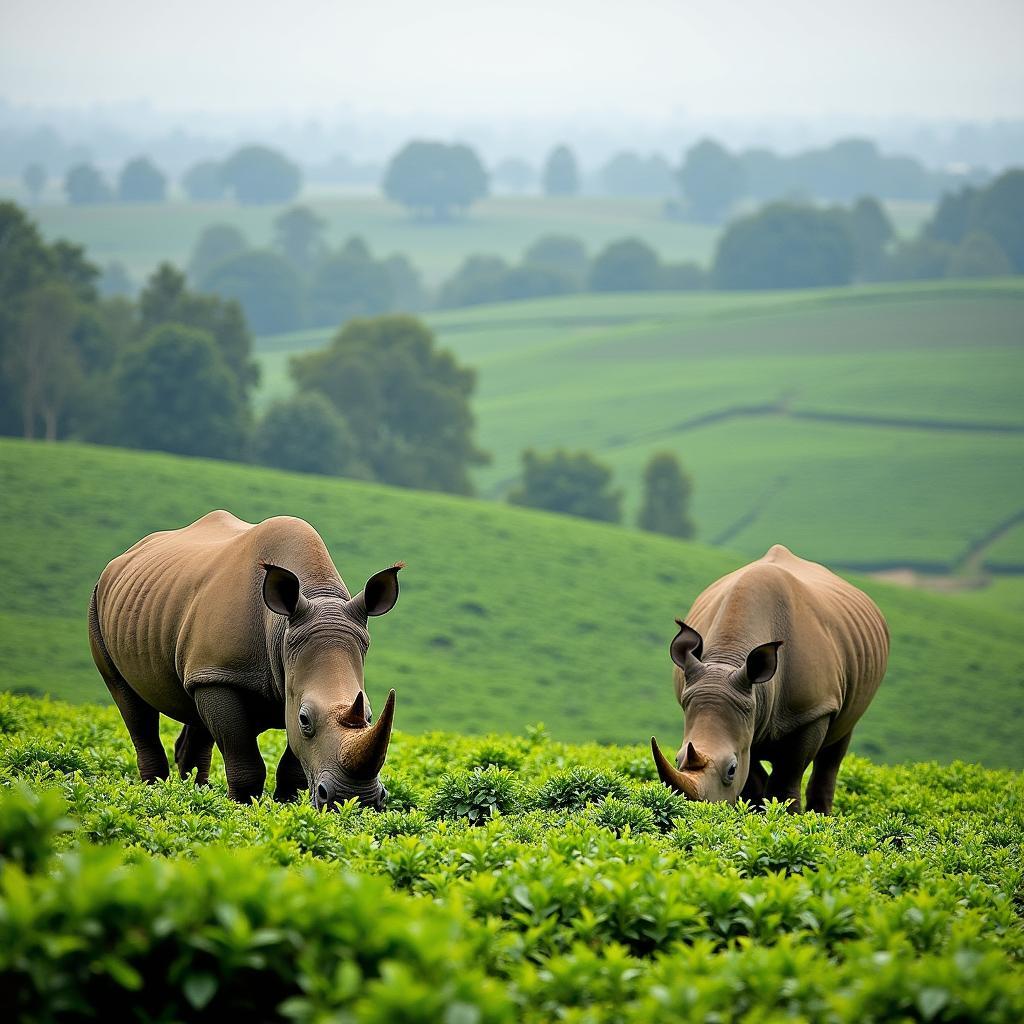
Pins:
x: 511, y: 879
x: 865, y: 426
x: 508, y: 617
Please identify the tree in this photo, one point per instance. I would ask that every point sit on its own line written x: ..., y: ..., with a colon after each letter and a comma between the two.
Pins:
x: 666, y: 500
x: 433, y: 178
x: 629, y: 174
x: 308, y: 435
x: 204, y: 181
x: 978, y: 255
x: 952, y: 218
x: 712, y: 180
x: 141, y: 181
x: 349, y: 283
x: 627, y: 265
x: 406, y: 401
x: 115, y: 280
x: 872, y: 231
x: 561, y: 175
x: 34, y: 180
x: 299, y: 237
x: 407, y: 295
x: 478, y: 280
x: 999, y: 211
x: 44, y: 363
x: 785, y: 246
x: 562, y: 253
x: 84, y: 186
x: 175, y: 393
x: 264, y: 284
x: 217, y: 243
x: 166, y: 300
x: 259, y: 174
x: 919, y: 259
x: 573, y: 483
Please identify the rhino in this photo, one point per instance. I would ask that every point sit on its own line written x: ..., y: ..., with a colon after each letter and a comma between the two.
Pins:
x: 231, y: 629
x: 775, y: 662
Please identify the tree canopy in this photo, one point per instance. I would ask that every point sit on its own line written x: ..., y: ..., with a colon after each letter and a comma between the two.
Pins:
x: 259, y: 174
x: 561, y: 175
x: 785, y: 246
x: 628, y: 265
x: 204, y: 181
x: 217, y: 243
x: 406, y: 401
x: 84, y: 185
x: 434, y: 178
x: 665, y: 506
x: 573, y: 483
x: 141, y: 181
x: 265, y: 284
x: 562, y: 253
x: 308, y: 435
x: 34, y: 180
x: 349, y: 283
x: 299, y: 237
x: 712, y: 179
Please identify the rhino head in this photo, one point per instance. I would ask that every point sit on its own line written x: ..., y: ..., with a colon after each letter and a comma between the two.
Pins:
x: 718, y: 703
x: 327, y: 713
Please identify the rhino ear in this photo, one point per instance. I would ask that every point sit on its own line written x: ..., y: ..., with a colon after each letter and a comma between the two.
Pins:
x: 687, y: 644
x: 281, y: 591
x: 762, y: 663
x: 379, y: 595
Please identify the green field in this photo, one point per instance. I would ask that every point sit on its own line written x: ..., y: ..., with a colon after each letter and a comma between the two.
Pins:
x: 508, y: 617
x: 512, y: 879
x: 867, y: 426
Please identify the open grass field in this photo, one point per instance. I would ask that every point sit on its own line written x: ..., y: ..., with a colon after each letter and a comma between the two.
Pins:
x: 869, y: 427
x: 508, y: 617
x: 512, y: 879
x: 141, y: 235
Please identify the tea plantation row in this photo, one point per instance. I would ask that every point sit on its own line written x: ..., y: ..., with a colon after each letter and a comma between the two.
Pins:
x: 512, y: 878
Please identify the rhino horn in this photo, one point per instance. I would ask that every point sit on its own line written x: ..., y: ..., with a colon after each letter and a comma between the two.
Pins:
x: 681, y: 782
x: 366, y: 750
x: 355, y: 716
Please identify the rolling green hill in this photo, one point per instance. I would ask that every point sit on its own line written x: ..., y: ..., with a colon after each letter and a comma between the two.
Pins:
x: 508, y: 616
x: 867, y: 427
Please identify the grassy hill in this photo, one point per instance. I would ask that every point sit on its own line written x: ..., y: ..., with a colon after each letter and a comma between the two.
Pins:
x: 868, y: 427
x: 512, y: 879
x: 507, y: 617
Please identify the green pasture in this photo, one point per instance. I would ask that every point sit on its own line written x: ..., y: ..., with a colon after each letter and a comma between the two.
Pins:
x: 868, y: 426
x: 508, y: 616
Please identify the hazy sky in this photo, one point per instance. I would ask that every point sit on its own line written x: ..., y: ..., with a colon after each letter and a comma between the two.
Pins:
x: 925, y: 58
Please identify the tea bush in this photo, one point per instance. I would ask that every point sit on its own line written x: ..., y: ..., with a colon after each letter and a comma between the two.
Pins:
x: 510, y: 879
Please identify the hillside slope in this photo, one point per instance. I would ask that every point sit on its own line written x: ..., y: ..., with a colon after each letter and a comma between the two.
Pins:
x: 507, y: 617
x: 868, y: 427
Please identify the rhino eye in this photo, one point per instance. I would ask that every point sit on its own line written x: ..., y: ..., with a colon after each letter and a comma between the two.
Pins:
x: 305, y: 722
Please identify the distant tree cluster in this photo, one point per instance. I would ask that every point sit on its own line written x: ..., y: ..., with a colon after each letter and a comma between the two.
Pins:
x: 173, y: 371
x: 577, y: 484
x: 435, y: 180
x: 299, y: 280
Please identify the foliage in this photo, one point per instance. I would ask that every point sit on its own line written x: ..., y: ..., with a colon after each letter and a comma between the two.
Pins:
x: 627, y: 265
x: 204, y: 181
x: 308, y: 435
x: 486, y: 279
x: 33, y: 177
x: 563, y: 254
x: 784, y: 246
x: 260, y: 174
x: 712, y: 179
x: 406, y: 401
x: 507, y: 616
x: 141, y: 181
x: 217, y: 243
x: 435, y: 178
x: 298, y: 236
x: 350, y: 283
x: 665, y: 507
x: 561, y: 175
x: 573, y: 483
x: 84, y: 185
x: 264, y: 283
x: 872, y: 230
x: 171, y: 901
x: 978, y: 255
x: 174, y: 392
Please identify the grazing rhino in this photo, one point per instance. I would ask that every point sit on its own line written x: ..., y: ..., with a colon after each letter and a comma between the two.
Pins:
x: 233, y: 628
x: 775, y: 662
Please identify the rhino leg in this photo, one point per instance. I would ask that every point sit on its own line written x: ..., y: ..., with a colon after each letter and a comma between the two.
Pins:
x: 822, y: 787
x: 233, y: 728
x: 757, y: 782
x: 798, y: 750
x: 141, y: 720
x: 291, y: 779
x: 193, y: 750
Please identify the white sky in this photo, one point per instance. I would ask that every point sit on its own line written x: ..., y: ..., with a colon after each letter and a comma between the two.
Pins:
x: 879, y: 58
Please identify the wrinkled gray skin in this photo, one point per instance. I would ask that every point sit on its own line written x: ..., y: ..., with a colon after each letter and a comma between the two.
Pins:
x: 775, y: 663
x: 233, y: 628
